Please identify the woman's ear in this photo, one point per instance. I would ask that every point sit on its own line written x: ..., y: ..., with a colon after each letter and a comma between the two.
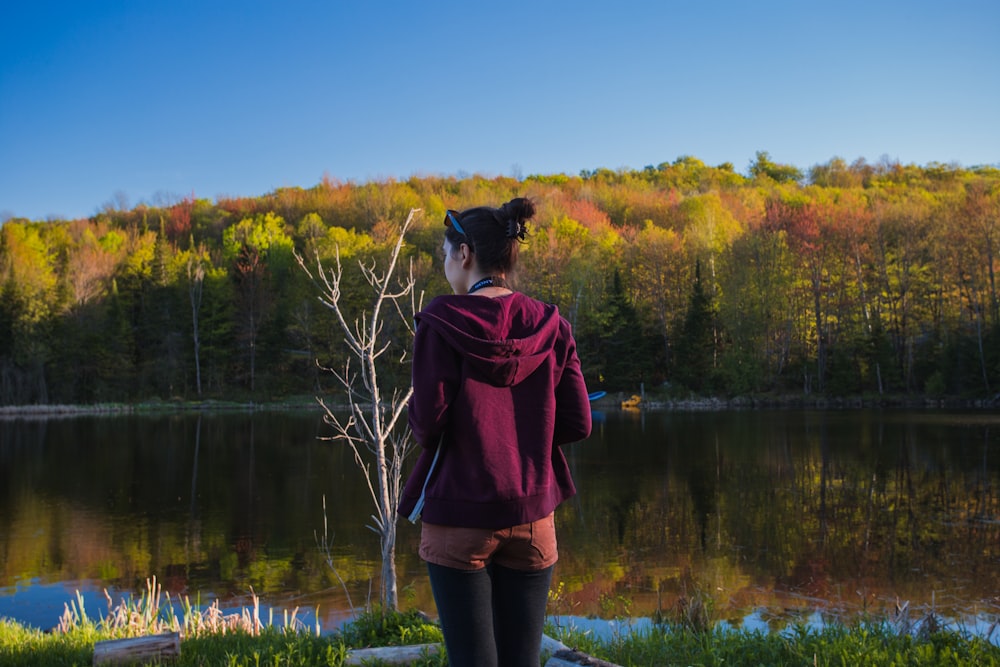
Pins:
x: 467, y: 256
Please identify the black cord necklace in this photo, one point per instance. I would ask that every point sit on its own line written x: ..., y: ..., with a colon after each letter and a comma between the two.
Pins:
x: 485, y: 282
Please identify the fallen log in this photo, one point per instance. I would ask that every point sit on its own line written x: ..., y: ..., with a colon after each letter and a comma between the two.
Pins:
x: 166, y: 646
x: 571, y: 658
x: 561, y: 655
x: 393, y: 655
x: 564, y: 656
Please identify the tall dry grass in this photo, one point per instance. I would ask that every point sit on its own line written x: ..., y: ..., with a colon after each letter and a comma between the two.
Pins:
x: 156, y: 612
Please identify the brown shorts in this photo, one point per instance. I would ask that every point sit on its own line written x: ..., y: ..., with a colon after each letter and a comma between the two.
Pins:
x: 528, y: 547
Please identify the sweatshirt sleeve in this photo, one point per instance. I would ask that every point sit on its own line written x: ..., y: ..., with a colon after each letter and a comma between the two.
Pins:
x: 435, y: 379
x: 573, y: 417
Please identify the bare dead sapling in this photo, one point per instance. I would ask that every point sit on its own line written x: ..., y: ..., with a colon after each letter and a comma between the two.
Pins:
x: 373, y: 423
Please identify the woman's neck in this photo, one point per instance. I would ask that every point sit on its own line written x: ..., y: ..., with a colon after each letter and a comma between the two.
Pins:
x: 488, y: 286
x: 482, y: 283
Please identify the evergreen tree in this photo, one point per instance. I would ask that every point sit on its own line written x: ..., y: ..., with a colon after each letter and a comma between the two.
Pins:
x: 694, y: 357
x: 625, y: 351
x: 114, y: 368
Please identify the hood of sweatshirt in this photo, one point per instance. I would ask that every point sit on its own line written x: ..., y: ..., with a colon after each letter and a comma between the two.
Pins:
x: 505, y: 339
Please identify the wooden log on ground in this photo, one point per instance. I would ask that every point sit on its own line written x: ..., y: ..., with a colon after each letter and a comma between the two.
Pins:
x: 561, y: 655
x: 570, y: 658
x: 138, y: 649
x: 393, y: 655
x: 564, y: 656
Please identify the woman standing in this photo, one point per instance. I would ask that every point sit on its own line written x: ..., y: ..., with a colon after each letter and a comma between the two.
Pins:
x: 497, y: 390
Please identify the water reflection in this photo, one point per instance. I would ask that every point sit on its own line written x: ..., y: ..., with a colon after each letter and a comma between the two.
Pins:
x: 793, y: 511
x: 771, y: 513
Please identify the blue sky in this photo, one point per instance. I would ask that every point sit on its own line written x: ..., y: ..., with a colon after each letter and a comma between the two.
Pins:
x: 153, y: 100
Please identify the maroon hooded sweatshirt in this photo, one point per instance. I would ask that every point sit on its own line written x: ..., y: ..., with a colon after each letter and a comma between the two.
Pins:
x: 497, y: 385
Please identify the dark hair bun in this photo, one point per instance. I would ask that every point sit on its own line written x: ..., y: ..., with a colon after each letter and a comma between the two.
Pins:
x: 515, y: 213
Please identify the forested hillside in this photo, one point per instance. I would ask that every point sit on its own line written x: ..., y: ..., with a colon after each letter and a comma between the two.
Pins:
x: 848, y: 279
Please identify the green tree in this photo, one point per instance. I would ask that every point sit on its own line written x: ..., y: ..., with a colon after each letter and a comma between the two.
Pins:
x: 191, y: 267
x: 560, y: 263
x: 903, y: 235
x: 658, y: 275
x: 259, y: 252
x: 838, y: 174
x: 28, y: 285
x: 694, y: 355
x: 754, y: 309
x: 150, y: 299
x: 620, y: 351
x: 763, y: 166
x: 217, y: 329
x: 113, y: 367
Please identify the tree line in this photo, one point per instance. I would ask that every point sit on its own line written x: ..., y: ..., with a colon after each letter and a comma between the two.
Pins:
x: 847, y: 279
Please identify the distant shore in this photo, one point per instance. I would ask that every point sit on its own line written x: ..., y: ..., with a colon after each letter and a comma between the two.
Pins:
x: 611, y: 401
x: 152, y: 407
x: 800, y: 402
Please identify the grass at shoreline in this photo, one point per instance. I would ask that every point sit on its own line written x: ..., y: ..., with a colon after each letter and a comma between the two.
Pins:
x: 875, y: 644
x: 241, y: 640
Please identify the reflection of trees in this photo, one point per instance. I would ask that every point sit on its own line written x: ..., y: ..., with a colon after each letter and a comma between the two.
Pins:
x: 821, y: 506
x: 122, y: 499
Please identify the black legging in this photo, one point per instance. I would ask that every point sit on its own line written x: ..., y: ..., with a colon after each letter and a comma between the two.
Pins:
x: 491, y: 617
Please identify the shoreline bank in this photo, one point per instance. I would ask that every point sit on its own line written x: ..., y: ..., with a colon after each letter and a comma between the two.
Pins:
x: 608, y: 402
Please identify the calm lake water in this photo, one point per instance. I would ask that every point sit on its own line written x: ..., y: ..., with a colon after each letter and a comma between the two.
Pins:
x: 764, y: 516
